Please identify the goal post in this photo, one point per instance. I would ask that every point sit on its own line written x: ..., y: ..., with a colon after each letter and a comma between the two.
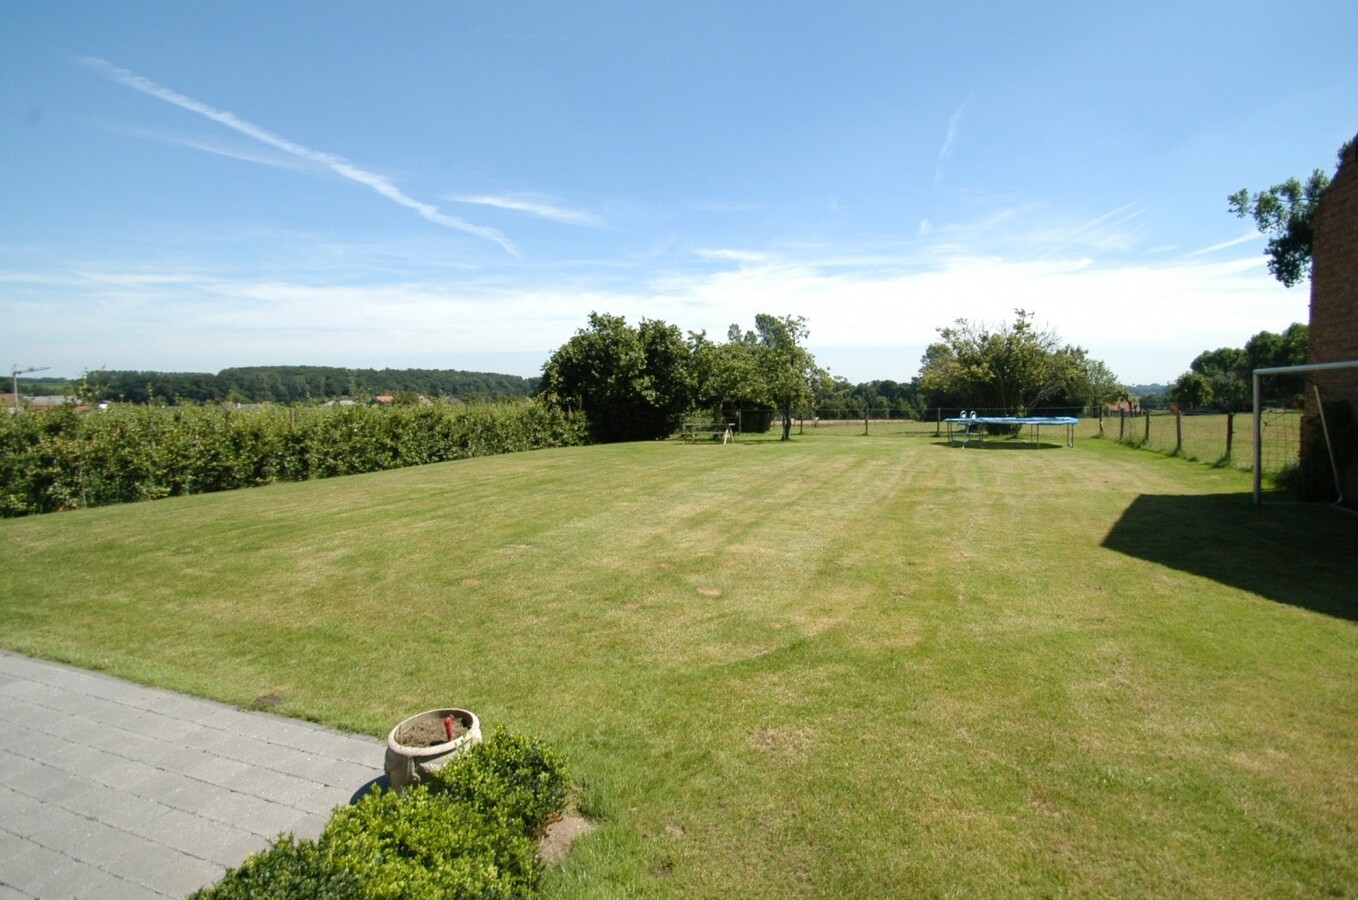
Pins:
x: 1258, y: 418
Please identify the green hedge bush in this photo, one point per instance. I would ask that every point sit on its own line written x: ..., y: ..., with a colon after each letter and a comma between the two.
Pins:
x: 468, y: 833
x: 512, y: 778
x: 59, y: 459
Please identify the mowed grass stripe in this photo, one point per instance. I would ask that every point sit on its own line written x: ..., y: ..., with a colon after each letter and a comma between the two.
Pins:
x: 860, y: 667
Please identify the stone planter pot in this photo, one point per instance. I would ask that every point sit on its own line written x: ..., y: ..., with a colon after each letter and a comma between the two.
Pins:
x: 410, y: 761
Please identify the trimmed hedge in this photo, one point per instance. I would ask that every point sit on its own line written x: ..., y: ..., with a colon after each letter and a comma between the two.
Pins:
x: 468, y: 833
x: 63, y: 459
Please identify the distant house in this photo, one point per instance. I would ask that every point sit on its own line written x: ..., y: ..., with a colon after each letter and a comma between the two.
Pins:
x: 41, y: 402
x: 1333, y: 334
x: 383, y: 398
x: 49, y: 402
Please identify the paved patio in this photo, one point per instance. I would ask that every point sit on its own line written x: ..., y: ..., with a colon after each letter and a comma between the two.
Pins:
x: 113, y: 790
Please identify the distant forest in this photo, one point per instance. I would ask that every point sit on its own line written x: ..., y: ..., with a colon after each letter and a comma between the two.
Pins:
x: 300, y: 384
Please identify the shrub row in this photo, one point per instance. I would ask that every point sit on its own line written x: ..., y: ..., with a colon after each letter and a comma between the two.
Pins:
x: 468, y: 833
x: 63, y: 459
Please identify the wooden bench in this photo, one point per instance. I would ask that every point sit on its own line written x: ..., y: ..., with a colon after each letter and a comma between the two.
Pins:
x: 691, y: 431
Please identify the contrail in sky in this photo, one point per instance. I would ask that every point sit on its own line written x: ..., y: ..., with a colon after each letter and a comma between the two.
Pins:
x: 536, y: 206
x: 954, y: 125
x: 337, y: 164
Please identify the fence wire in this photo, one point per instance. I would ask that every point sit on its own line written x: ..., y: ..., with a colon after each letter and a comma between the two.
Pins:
x: 1214, y: 438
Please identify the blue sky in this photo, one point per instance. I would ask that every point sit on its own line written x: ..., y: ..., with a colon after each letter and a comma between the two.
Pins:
x: 193, y: 186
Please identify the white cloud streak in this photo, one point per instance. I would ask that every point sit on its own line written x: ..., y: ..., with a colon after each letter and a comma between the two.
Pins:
x: 337, y: 164
x: 242, y: 153
x: 542, y: 207
x: 954, y: 126
x: 1242, y: 239
x: 867, y: 321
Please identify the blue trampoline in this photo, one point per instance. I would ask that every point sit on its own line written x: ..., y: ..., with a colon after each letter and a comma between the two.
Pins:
x: 963, y: 428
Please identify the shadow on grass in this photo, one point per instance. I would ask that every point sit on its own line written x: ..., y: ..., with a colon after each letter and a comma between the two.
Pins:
x: 1302, y: 555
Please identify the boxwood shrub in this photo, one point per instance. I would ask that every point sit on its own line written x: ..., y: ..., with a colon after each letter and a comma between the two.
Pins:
x: 468, y: 832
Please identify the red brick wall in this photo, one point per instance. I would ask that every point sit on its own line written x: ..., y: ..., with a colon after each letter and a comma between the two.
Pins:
x: 1333, y: 334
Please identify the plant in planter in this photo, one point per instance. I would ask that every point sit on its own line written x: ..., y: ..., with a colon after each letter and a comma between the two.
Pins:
x: 422, y: 743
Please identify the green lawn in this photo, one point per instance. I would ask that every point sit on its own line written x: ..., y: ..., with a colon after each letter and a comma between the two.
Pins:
x: 841, y: 666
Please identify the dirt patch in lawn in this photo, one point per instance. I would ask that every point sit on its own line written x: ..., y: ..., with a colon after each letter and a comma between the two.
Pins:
x: 560, y: 834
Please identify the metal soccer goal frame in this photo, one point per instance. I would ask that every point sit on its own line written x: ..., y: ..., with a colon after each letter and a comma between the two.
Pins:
x: 1320, y: 408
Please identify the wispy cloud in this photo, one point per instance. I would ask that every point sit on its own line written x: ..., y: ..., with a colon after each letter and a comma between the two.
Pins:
x: 741, y: 256
x: 533, y: 204
x: 1242, y: 239
x: 870, y: 316
x: 337, y: 164
x: 242, y: 152
x: 944, y: 152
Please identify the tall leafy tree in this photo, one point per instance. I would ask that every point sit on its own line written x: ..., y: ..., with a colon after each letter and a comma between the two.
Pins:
x: 787, y: 371
x: 1227, y: 371
x: 1006, y: 370
x: 1267, y: 350
x: 631, y: 384
x: 1093, y: 384
x: 728, y: 383
x: 1192, y: 390
x: 1285, y: 212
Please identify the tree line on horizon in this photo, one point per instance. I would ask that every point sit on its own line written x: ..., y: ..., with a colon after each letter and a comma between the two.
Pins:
x: 642, y: 382
x: 296, y: 384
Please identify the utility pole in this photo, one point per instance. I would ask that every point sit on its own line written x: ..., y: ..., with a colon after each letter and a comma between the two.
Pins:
x: 14, y: 374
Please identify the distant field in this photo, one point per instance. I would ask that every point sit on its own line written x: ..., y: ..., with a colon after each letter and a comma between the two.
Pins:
x: 838, y: 667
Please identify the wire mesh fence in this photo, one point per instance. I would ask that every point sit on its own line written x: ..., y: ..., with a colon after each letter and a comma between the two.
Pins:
x: 1214, y: 438
x: 1217, y: 438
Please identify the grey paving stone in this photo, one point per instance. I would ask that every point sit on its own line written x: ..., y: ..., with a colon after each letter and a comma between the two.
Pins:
x: 107, y: 844
x: 135, y: 813
x: 80, y: 759
x: 123, y: 774
x: 60, y: 699
x: 71, y: 879
x: 100, y: 885
x: 10, y: 845
x: 57, y: 787
x: 130, y: 745
x: 217, y: 770
x: 239, y: 747
x: 11, y: 739
x: 251, y: 813
x: 24, y: 689
x: 101, y: 801
x: 18, y: 772
x: 31, y: 867
x: 37, y: 743
x: 323, y: 799
x: 144, y: 867
x: 61, y: 830
x: 111, y: 789
x: 20, y: 814
x: 71, y: 727
x: 232, y: 852
x: 292, y: 790
x: 205, y: 738
x: 162, y: 727
x: 340, y: 774
x: 188, y: 875
x: 311, y: 826
x: 189, y: 794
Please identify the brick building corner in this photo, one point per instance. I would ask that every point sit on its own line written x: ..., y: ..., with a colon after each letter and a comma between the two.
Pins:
x: 1333, y: 332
